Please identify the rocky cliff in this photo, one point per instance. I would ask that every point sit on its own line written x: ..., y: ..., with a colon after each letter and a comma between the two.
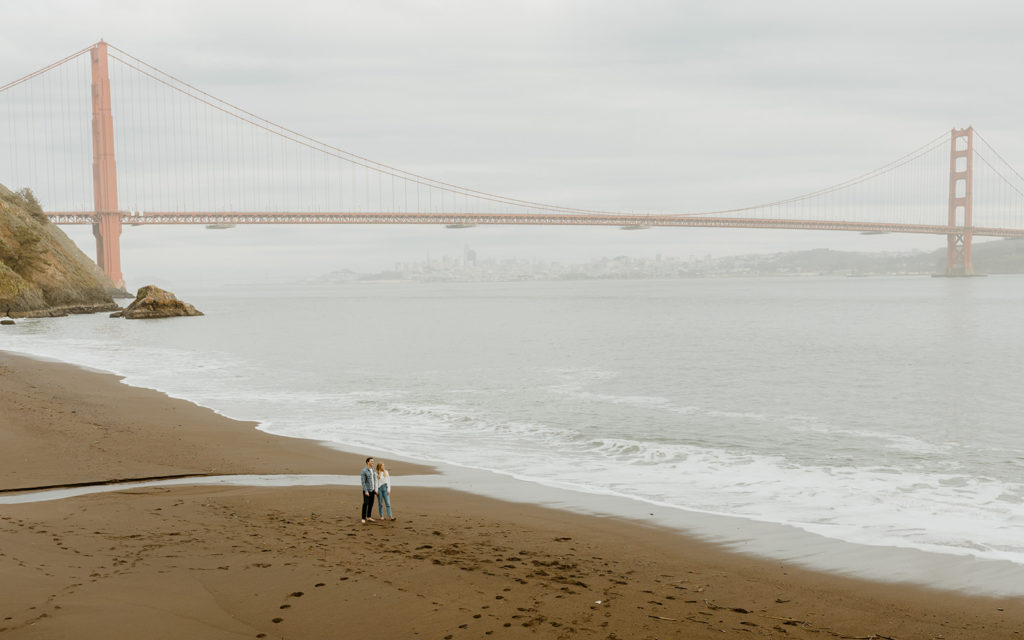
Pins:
x: 42, y: 272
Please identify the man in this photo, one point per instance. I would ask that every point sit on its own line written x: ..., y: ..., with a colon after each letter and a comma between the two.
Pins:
x: 367, y: 480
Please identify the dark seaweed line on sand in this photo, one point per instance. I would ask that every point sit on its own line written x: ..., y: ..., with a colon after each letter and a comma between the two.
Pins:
x: 105, y: 482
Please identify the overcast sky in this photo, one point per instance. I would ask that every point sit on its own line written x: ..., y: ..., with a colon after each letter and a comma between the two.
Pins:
x: 649, y: 106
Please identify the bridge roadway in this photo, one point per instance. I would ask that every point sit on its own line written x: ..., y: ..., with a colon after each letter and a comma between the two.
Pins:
x: 81, y: 217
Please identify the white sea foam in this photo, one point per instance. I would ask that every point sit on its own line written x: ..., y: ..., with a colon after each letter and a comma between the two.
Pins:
x: 585, y: 429
x: 875, y: 506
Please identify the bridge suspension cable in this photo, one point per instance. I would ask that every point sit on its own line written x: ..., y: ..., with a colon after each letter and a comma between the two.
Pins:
x: 998, y: 189
x: 39, y: 72
x: 328, y: 149
x: 921, y: 151
x: 517, y: 205
x: 182, y: 149
x: 47, y: 141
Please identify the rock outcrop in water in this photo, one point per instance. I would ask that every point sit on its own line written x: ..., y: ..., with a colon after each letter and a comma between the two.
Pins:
x: 154, y: 302
x: 42, y: 272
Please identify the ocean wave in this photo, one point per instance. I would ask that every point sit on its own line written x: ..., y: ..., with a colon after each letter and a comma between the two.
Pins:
x: 929, y: 506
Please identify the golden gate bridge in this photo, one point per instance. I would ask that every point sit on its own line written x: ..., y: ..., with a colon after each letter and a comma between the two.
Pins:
x: 180, y: 155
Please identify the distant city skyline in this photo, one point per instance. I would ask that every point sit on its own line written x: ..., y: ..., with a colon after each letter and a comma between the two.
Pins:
x: 470, y: 266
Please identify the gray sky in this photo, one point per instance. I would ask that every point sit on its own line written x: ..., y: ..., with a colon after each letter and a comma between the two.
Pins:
x: 677, y: 106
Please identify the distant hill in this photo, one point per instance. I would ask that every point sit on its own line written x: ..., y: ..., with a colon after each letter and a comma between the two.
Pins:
x: 999, y: 256
x: 995, y: 257
x: 42, y: 272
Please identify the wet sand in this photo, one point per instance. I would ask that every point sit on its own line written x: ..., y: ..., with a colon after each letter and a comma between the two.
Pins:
x: 271, y: 562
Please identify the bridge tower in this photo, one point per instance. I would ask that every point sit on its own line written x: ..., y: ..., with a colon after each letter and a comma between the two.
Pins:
x: 961, y: 200
x: 107, y: 229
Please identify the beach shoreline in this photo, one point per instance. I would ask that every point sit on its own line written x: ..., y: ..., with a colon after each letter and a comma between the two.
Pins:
x: 219, y: 562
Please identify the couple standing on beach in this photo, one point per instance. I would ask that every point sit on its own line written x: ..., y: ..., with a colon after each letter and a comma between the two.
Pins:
x: 376, y: 483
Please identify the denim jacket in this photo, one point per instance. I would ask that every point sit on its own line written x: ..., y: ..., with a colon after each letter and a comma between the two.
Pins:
x: 366, y: 478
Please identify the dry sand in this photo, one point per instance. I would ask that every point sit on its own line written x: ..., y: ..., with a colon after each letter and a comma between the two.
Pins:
x: 245, y: 562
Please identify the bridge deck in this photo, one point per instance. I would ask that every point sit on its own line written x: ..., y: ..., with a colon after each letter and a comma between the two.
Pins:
x: 236, y: 218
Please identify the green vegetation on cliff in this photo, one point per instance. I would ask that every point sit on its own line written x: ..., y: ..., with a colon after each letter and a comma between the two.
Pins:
x: 42, y: 272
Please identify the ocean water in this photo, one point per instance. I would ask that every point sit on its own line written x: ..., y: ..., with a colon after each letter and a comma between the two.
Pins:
x: 880, y: 411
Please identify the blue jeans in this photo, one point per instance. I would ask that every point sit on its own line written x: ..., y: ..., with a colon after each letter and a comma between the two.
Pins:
x: 383, y: 500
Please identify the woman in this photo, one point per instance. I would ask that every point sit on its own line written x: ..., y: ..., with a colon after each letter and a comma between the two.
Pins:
x: 383, y: 491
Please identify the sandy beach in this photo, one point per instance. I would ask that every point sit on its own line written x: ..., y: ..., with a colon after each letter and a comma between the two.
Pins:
x: 263, y: 562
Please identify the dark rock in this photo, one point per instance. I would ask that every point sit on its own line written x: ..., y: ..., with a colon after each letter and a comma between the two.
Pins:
x: 6, y: 321
x: 61, y: 311
x: 154, y: 302
x: 91, y: 308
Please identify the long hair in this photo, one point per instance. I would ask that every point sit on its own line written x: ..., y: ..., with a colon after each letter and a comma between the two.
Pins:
x: 380, y: 469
